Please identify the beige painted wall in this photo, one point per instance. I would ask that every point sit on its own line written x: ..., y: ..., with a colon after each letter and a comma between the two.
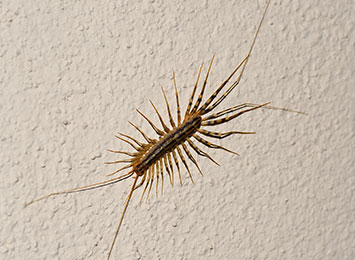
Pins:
x: 72, y: 74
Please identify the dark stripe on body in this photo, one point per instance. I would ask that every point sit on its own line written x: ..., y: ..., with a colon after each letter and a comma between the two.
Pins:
x: 168, y: 143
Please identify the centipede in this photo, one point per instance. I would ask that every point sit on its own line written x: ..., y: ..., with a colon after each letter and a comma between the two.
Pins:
x: 158, y: 158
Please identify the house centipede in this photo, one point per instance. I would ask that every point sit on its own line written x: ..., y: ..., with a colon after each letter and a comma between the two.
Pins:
x: 153, y: 159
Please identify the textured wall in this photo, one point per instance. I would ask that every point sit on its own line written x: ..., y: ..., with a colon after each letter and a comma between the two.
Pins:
x: 72, y: 74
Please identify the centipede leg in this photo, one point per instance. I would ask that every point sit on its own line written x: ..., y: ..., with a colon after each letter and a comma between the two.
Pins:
x: 177, y: 101
x: 221, y: 135
x: 228, y: 118
x: 187, y: 113
x: 167, y: 169
x: 177, y: 166
x: 166, y: 128
x: 210, y: 145
x: 191, y: 157
x: 200, y: 152
x: 151, y: 169
x: 172, y: 123
x: 184, y: 162
x: 194, y: 109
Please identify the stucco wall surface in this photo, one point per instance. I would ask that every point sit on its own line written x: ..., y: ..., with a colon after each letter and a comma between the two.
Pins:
x: 73, y: 73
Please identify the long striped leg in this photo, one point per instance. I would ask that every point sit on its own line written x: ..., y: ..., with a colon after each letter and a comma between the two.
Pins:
x: 194, y: 109
x: 86, y: 187
x: 245, y: 105
x: 221, y: 135
x: 131, y: 138
x: 120, y: 161
x: 228, y: 110
x: 123, y: 152
x: 156, y: 129
x: 177, y: 166
x: 198, y: 151
x: 149, y: 140
x: 171, y: 168
x: 146, y: 185
x: 229, y: 90
x: 167, y: 169
x: 203, y: 110
x: 228, y: 118
x: 191, y: 157
x: 128, y: 142
x: 210, y: 145
x: 162, y: 175
x: 236, y: 82
x: 187, y: 113
x: 172, y: 123
x: 121, y: 169
x: 184, y: 162
x: 166, y: 129
x: 151, y: 169
x: 177, y: 101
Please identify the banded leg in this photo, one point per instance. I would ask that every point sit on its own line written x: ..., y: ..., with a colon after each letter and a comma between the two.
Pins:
x: 228, y: 118
x: 128, y: 142
x: 171, y: 168
x: 191, y: 157
x: 204, y: 110
x: 243, y: 64
x: 121, y: 169
x: 187, y: 113
x: 229, y: 90
x: 221, y: 135
x: 123, y: 152
x: 152, y: 180
x: 149, y: 140
x: 210, y: 145
x: 203, y: 87
x: 177, y: 101
x: 146, y: 185
x: 172, y: 123
x: 198, y: 151
x: 177, y: 166
x: 167, y: 169
x: 120, y: 161
x: 156, y: 129
x: 244, y: 105
x: 166, y: 129
x: 184, y: 162
x: 131, y: 138
x: 228, y: 110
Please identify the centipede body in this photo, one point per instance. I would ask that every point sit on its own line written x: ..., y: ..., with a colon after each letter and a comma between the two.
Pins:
x: 157, y: 158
